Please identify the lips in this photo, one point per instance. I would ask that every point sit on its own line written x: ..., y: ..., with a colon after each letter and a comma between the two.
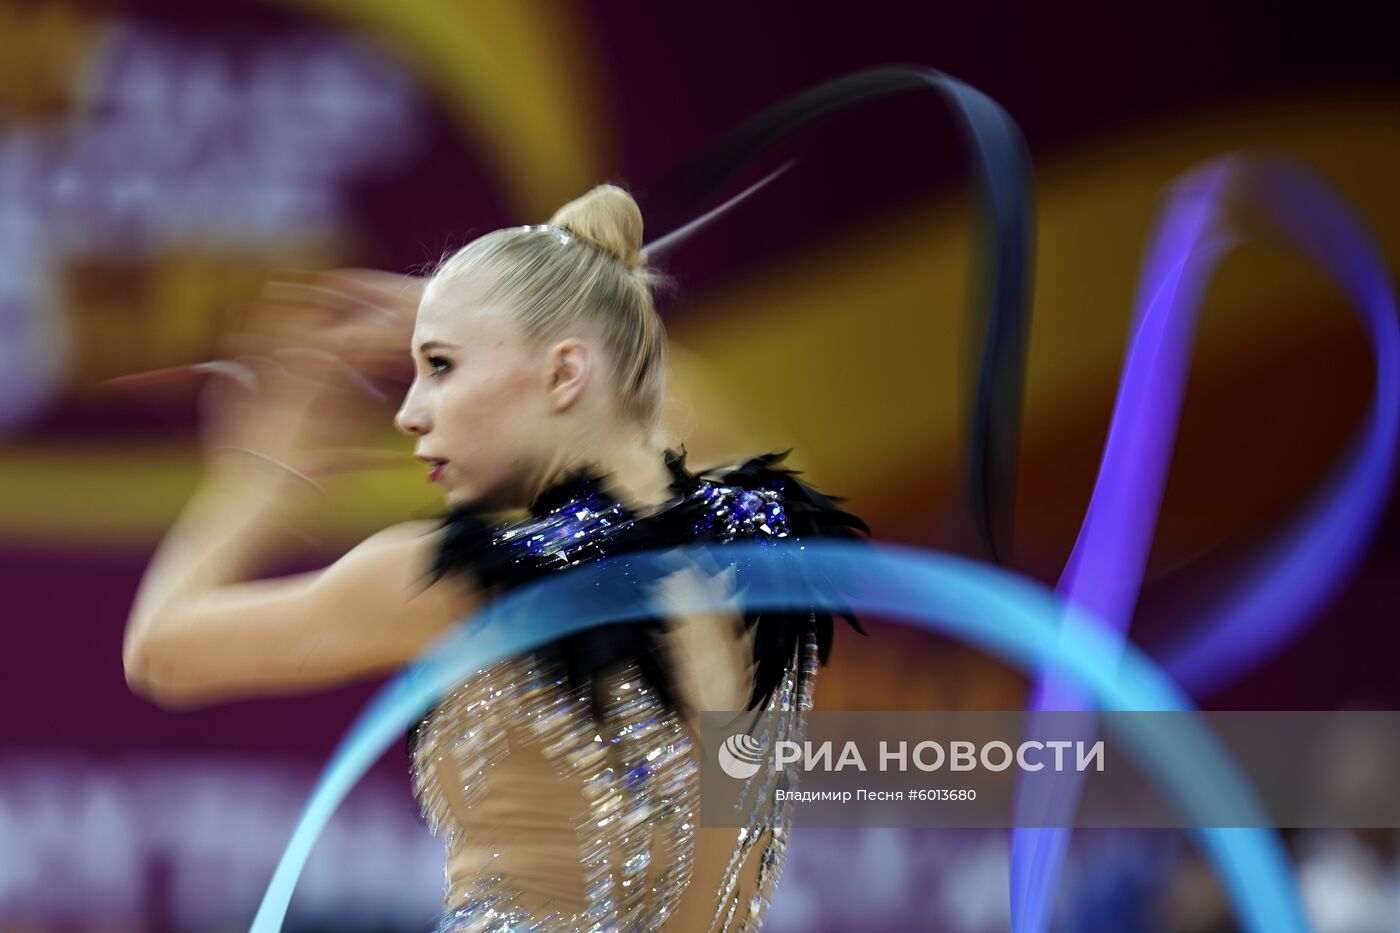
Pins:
x: 436, y: 464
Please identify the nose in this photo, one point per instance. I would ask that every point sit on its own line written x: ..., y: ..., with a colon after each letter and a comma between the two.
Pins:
x: 412, y: 418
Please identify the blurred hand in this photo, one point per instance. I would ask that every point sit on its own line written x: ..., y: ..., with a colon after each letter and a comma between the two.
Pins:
x: 317, y: 359
x: 302, y: 370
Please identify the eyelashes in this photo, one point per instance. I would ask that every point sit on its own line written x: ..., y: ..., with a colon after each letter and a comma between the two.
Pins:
x: 438, y: 366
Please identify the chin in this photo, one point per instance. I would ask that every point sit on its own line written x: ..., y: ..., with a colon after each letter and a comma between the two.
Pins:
x: 484, y: 496
x: 457, y: 497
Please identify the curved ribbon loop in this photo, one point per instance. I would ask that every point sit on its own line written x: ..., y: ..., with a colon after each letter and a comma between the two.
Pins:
x: 1002, y: 277
x: 1012, y: 617
x: 1292, y: 578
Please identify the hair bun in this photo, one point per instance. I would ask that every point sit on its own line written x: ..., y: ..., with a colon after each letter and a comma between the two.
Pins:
x: 608, y: 218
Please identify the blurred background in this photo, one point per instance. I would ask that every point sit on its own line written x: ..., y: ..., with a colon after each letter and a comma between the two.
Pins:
x: 160, y: 161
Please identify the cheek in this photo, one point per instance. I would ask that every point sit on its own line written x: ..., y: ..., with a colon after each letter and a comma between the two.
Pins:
x: 491, y: 415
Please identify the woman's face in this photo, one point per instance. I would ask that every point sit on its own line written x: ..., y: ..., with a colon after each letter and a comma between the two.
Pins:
x: 479, y: 403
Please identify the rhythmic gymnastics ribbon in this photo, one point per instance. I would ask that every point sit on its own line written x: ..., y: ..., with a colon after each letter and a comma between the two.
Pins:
x: 1295, y: 576
x: 1005, y: 614
x: 1002, y: 267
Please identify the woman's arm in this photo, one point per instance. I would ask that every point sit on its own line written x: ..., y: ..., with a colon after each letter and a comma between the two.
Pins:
x: 201, y: 631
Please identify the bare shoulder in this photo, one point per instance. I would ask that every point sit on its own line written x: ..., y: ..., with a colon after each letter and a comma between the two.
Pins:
x: 423, y: 531
x: 421, y: 537
x: 395, y: 564
x: 404, y: 546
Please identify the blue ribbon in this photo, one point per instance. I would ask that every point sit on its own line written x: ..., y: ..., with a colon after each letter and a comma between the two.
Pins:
x: 1005, y: 614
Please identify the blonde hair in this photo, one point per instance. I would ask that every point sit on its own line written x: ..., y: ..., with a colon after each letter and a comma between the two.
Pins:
x: 586, y: 265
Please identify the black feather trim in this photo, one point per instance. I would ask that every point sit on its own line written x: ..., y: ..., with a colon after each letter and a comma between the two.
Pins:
x: 497, y: 560
x: 810, y: 514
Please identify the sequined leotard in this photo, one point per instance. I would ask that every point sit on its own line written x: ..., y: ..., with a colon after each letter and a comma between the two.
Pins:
x: 568, y: 802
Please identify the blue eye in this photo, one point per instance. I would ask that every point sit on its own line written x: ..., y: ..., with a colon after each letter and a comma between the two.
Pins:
x: 438, y: 365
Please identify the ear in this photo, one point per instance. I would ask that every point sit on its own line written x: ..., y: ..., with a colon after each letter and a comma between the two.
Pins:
x: 570, y: 364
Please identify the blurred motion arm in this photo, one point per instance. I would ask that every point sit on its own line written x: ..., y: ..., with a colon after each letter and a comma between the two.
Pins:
x: 298, y: 380
x: 198, y: 635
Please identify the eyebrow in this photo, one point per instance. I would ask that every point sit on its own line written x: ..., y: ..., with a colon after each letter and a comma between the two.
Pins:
x: 427, y: 345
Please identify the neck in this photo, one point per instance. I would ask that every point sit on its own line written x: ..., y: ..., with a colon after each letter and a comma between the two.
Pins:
x: 631, y: 458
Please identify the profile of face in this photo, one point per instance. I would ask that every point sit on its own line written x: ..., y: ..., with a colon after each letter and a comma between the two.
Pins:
x: 490, y: 408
